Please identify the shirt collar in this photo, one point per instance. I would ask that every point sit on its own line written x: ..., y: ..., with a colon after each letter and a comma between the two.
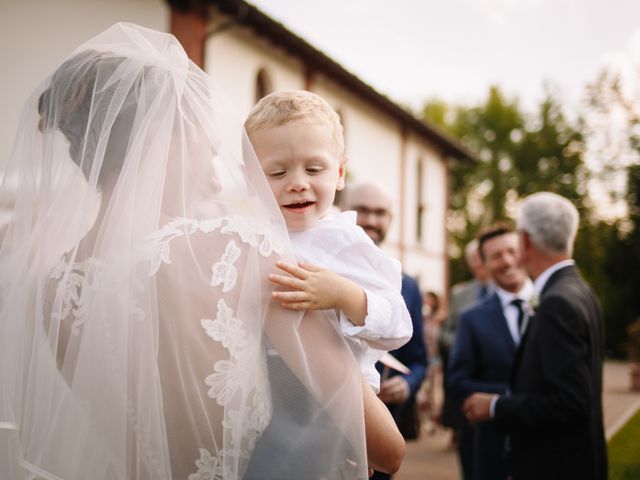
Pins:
x: 542, y: 279
x: 507, y: 297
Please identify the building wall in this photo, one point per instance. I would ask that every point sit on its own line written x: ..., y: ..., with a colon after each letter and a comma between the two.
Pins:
x: 374, y: 143
x: 233, y: 57
x: 42, y: 33
x: 37, y: 35
x: 373, y: 147
x: 428, y: 253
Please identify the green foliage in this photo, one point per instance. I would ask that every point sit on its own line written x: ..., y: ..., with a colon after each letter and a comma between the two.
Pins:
x: 517, y: 156
x: 520, y: 154
x: 624, y: 451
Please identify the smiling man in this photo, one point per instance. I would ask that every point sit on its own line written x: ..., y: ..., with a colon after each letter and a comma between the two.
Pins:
x: 553, y: 411
x: 486, y: 342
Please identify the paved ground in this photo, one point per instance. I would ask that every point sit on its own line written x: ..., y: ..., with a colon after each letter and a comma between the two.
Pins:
x: 431, y: 458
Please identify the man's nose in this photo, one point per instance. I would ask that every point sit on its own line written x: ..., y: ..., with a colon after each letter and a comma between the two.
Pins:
x: 367, y: 218
x: 509, y: 259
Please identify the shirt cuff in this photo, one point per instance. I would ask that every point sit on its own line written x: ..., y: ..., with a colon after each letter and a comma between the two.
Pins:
x: 377, y: 323
x: 492, y: 407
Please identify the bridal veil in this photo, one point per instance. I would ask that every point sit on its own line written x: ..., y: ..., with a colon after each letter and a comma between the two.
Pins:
x: 138, y: 339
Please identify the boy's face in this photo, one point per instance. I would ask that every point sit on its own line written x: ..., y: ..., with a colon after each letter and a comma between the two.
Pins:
x: 302, y: 168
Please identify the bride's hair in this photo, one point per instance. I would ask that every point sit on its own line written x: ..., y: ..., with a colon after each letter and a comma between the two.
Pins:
x: 81, y: 93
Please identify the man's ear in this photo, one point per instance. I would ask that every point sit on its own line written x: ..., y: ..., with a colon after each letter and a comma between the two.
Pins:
x: 342, y: 171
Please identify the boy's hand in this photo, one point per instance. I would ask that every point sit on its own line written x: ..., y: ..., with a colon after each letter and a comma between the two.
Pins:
x: 314, y: 288
x: 311, y: 287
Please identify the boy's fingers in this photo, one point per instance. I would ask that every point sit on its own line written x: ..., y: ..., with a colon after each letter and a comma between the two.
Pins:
x: 310, y: 266
x: 290, y: 297
x: 286, y: 281
x: 296, y: 306
x: 294, y: 270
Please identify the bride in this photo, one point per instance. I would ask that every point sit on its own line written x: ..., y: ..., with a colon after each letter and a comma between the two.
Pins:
x: 137, y: 335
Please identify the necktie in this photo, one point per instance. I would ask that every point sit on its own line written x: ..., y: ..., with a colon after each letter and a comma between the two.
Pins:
x: 517, y: 302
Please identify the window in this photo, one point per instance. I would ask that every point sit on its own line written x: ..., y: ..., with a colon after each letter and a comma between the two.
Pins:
x: 263, y: 84
x: 347, y: 175
x: 420, y: 206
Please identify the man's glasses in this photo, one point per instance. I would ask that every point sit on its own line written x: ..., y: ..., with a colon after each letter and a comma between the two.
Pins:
x: 376, y: 212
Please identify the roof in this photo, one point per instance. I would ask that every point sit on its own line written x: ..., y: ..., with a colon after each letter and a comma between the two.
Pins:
x: 245, y: 14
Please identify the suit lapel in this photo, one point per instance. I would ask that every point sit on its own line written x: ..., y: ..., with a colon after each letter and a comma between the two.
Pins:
x: 565, y: 272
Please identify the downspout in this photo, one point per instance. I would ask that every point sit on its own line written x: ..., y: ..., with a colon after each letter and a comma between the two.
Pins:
x: 403, y: 172
x: 445, y: 254
x: 308, y: 78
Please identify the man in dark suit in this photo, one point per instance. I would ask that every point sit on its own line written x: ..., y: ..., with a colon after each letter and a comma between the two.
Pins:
x: 488, y: 335
x: 397, y: 390
x: 463, y: 295
x: 554, y: 409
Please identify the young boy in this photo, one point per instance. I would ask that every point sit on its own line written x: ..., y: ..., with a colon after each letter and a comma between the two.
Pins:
x: 298, y: 139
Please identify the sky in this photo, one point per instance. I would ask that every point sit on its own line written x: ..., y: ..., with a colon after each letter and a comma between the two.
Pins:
x: 413, y: 50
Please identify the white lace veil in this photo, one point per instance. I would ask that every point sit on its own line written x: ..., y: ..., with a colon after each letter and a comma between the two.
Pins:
x: 137, y: 335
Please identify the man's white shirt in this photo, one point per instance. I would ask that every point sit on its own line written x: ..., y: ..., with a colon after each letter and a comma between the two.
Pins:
x: 510, y: 311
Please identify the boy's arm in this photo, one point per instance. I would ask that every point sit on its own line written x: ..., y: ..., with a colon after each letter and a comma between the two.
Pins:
x: 377, y: 314
x: 388, y: 324
x: 315, y: 288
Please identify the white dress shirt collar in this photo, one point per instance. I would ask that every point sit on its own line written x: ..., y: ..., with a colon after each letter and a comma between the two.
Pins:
x: 510, y: 311
x: 542, y: 279
x: 507, y: 297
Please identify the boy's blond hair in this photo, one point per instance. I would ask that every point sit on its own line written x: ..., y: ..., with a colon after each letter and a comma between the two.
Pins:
x: 279, y: 108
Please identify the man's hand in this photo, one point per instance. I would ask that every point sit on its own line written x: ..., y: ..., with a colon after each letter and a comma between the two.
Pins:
x: 314, y: 288
x: 477, y: 407
x: 395, y: 390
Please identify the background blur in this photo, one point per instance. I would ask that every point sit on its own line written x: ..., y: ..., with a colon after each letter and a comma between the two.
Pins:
x: 544, y: 94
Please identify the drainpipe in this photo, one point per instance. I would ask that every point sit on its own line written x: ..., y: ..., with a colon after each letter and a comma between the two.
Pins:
x: 403, y: 173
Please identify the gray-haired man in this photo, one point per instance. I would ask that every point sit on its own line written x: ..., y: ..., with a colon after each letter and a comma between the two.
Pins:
x: 554, y: 410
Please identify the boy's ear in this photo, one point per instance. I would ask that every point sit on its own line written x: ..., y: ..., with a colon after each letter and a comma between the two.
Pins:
x: 342, y: 170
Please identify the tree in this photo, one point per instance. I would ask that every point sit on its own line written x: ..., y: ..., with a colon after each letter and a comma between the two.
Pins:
x: 522, y: 153
x: 518, y: 155
x: 611, y: 124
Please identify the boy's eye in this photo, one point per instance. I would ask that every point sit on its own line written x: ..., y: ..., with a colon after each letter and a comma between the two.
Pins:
x: 314, y: 170
x: 277, y: 173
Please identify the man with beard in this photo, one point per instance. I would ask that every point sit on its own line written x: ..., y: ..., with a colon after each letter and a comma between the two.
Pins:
x: 397, y: 390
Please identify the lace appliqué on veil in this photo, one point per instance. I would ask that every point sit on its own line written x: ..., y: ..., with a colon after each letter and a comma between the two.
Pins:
x: 224, y: 272
x: 229, y: 377
x: 156, y: 247
x: 209, y: 467
x: 72, y: 290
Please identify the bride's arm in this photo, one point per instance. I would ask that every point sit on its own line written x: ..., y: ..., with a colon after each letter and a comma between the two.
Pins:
x: 385, y: 445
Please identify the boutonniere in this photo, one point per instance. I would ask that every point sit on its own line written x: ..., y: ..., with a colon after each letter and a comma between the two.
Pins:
x: 532, y: 304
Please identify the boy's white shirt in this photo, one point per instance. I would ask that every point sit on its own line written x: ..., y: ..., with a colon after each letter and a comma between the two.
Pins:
x: 338, y: 244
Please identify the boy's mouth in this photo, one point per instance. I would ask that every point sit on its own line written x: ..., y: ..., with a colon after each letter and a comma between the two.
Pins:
x: 299, y: 207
